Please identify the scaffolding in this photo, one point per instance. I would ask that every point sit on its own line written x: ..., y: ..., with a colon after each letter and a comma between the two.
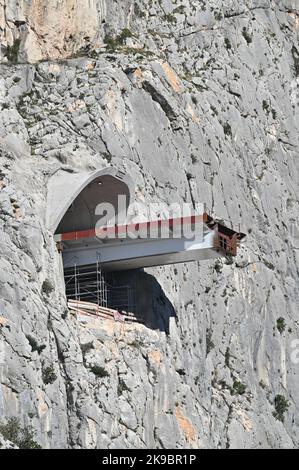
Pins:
x: 90, y: 284
x: 121, y: 297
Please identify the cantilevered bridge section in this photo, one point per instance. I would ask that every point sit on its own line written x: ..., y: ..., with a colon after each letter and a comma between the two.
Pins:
x: 133, y: 246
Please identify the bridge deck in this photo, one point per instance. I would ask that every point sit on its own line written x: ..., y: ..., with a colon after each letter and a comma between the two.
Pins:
x: 133, y: 246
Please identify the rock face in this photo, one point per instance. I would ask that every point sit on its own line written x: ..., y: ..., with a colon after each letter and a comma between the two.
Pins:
x: 198, y: 103
x: 32, y: 30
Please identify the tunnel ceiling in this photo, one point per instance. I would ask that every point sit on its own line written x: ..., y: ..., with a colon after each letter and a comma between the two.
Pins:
x: 73, y: 198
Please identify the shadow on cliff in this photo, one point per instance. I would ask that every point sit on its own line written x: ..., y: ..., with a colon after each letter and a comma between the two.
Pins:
x: 146, y: 298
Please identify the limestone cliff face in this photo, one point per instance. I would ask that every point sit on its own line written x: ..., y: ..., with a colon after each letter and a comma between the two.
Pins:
x: 197, y: 101
x: 43, y: 29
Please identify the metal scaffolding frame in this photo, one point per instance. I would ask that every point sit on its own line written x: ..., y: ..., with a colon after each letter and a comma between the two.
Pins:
x: 89, y: 283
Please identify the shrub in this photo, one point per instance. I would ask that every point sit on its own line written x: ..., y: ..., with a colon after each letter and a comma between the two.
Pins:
x: 227, y: 129
x: 21, y: 437
x: 126, y: 33
x: 85, y: 348
x: 281, y: 406
x: 110, y: 42
x: 12, y: 52
x: 64, y: 315
x: 214, y: 110
x: 170, y: 18
x: 281, y: 324
x: 138, y: 11
x: 239, y: 388
x: 218, y: 15
x: 114, y: 42
x: 47, y: 287
x: 49, y: 375
x: 180, y: 10
x: 34, y: 345
x: 107, y: 156
x: 136, y: 344
x: 99, y: 371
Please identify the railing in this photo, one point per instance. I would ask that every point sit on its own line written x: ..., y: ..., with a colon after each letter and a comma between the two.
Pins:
x: 226, y: 243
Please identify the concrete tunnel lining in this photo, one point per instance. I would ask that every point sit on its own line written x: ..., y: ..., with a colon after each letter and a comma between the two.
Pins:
x: 73, y: 197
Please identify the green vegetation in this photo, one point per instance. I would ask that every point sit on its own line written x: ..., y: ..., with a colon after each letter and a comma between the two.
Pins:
x: 239, y: 388
x: 47, y: 287
x: 21, y: 437
x: 180, y: 10
x: 281, y: 406
x: 12, y: 52
x: 126, y: 33
x: 99, y: 371
x: 281, y: 324
x: 170, y: 18
x: 107, y: 156
x: 64, y: 315
x: 49, y: 375
x: 114, y: 43
x: 138, y: 11
x: 111, y: 42
x: 218, y: 15
x: 85, y: 348
x: 214, y: 110
x: 136, y: 344
x: 34, y: 345
x: 227, y: 129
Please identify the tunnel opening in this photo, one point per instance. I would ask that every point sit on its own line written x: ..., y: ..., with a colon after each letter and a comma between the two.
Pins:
x: 132, y: 296
x: 105, y: 275
x: 82, y: 212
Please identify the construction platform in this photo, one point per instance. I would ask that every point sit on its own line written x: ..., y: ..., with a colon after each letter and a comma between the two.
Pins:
x: 132, y: 246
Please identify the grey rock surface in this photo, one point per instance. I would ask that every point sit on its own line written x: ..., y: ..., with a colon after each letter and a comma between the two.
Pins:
x: 197, y: 104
